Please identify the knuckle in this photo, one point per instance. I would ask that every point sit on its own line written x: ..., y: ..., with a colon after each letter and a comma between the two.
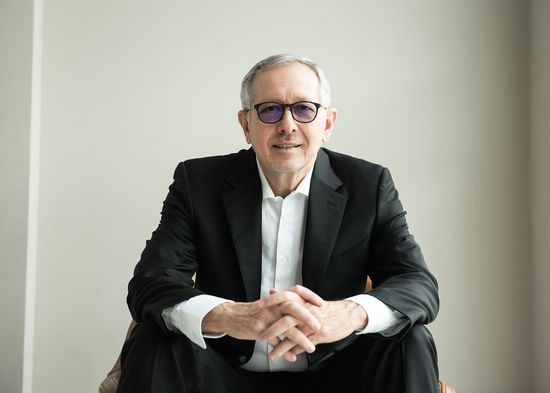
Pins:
x: 296, y: 334
x: 288, y: 306
x: 287, y: 320
x: 258, y: 326
x: 288, y: 295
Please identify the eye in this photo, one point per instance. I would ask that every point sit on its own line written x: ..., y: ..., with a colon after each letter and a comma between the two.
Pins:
x: 304, y: 107
x: 269, y: 107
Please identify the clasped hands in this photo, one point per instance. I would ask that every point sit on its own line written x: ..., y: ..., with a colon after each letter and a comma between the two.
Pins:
x: 291, y: 321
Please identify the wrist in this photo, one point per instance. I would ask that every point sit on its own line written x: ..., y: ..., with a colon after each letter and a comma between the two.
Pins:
x: 214, y: 321
x: 359, y: 316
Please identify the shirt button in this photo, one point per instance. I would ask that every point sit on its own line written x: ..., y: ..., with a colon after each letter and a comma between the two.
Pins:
x: 242, y: 359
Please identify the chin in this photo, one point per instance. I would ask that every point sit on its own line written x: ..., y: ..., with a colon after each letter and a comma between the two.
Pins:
x: 287, y: 168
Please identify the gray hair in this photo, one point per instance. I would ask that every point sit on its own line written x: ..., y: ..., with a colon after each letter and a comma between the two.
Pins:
x: 279, y: 61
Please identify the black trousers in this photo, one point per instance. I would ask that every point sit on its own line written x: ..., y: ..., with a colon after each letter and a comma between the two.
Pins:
x: 155, y: 363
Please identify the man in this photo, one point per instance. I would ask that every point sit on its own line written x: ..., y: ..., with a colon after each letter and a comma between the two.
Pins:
x: 282, y: 238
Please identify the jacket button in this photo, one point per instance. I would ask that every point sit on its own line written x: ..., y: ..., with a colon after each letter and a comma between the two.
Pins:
x: 242, y: 359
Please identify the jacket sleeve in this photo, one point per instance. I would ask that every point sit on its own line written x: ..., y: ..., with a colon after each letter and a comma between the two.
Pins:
x: 164, y: 275
x: 400, y: 276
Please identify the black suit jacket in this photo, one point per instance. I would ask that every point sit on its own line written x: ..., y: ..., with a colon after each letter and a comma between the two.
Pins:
x: 211, y: 225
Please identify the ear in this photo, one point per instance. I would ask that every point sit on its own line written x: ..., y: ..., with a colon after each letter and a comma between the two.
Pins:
x: 243, y: 121
x: 332, y: 114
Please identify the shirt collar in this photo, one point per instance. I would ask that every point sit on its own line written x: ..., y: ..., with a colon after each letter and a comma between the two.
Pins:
x: 267, y: 192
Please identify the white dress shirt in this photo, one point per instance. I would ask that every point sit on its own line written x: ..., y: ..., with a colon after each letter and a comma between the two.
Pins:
x: 283, y: 229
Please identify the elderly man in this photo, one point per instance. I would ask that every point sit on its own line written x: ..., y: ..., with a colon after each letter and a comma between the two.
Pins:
x: 282, y: 238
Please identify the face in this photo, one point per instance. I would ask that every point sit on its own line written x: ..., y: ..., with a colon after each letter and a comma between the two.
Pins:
x: 287, y: 149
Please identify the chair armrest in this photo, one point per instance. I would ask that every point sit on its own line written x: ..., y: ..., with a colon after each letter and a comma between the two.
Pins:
x: 110, y: 383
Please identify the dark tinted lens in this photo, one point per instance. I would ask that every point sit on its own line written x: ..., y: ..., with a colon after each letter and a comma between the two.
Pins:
x: 304, y: 111
x: 270, y: 112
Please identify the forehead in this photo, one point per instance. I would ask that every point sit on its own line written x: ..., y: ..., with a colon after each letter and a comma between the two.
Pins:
x: 288, y: 83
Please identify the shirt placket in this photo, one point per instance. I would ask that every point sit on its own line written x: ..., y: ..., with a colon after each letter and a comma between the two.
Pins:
x: 284, y: 246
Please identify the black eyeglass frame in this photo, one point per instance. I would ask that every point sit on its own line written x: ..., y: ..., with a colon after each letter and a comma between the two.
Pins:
x: 284, y: 106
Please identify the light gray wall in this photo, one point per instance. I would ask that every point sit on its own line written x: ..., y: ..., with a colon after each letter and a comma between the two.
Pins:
x: 15, y: 98
x: 540, y: 161
x: 437, y: 91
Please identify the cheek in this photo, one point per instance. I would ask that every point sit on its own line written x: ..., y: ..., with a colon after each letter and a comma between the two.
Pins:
x: 315, y: 139
x: 259, y: 141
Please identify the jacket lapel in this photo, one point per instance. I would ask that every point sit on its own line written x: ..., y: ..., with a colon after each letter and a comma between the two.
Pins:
x: 243, y: 209
x: 326, y: 205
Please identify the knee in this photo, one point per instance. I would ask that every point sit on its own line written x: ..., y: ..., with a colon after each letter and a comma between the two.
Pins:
x: 420, y: 333
x: 147, y: 331
x: 146, y: 338
x: 419, y: 341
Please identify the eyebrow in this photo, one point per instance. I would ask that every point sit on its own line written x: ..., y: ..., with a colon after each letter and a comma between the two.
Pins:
x: 290, y: 102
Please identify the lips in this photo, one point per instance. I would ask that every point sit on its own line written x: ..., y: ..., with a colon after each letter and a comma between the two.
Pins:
x: 286, y: 146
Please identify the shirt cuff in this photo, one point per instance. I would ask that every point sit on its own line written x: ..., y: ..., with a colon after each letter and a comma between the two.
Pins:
x: 186, y: 317
x: 381, y: 318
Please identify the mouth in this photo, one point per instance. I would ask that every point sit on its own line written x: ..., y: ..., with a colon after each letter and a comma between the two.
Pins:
x: 286, y: 146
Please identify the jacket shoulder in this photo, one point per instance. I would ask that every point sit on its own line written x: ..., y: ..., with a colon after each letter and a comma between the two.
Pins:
x: 352, y: 169
x: 210, y: 167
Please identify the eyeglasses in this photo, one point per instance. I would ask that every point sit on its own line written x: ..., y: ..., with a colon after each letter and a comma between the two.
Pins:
x: 272, y: 112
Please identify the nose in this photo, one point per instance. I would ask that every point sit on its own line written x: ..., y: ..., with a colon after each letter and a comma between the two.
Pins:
x: 287, y: 124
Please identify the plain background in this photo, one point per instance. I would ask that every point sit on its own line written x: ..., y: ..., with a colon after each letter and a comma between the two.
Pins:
x: 452, y: 96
